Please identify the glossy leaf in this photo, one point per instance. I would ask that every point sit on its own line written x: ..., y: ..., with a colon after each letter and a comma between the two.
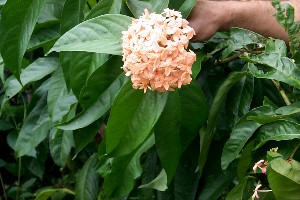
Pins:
x: 207, y: 134
x: 240, y: 38
x: 51, y: 12
x: 98, y: 108
x: 137, y: 7
x: 72, y: 14
x: 59, y: 99
x: 284, y: 179
x: 82, y: 65
x: 186, y: 7
x: 239, y: 98
x: 42, y: 38
x: 273, y: 66
x: 124, y: 170
x: 167, y: 138
x: 159, y: 183
x: 60, y: 144
x: 87, y: 181
x: 36, y: 125
x: 128, y: 126
x: 240, y: 191
x: 278, y: 131
x: 105, y: 7
x: 241, y: 133
x: 100, y: 80
x: 100, y: 35
x: 18, y: 19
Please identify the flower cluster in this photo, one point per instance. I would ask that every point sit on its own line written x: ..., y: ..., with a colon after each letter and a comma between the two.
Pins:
x: 154, y: 51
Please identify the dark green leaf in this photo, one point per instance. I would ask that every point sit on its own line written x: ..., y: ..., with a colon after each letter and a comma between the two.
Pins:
x: 100, y: 80
x: 51, y: 12
x: 240, y: 38
x: 72, y: 14
x: 279, y: 130
x: 207, y: 134
x: 239, y: 98
x: 125, y: 169
x: 105, y: 7
x: 60, y: 144
x: 87, y: 181
x: 84, y: 136
x: 240, y: 134
x: 36, y: 126
x: 239, y: 192
x: 102, y: 34
x: 186, y: 7
x: 137, y: 7
x: 132, y: 119
x: 98, y: 108
x: 167, y: 138
x: 59, y: 99
x: 43, y: 37
x: 18, y: 19
x: 273, y: 66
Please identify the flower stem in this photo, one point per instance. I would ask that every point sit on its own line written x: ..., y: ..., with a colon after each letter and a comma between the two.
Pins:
x: 293, y: 153
x: 2, y: 184
x: 282, y: 92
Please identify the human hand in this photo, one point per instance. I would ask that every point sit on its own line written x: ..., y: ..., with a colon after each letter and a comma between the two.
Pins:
x: 208, y: 17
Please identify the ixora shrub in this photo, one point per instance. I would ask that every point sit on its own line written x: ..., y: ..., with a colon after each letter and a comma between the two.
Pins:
x: 110, y: 100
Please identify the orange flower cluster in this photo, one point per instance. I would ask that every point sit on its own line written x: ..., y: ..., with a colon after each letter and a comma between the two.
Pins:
x: 154, y: 51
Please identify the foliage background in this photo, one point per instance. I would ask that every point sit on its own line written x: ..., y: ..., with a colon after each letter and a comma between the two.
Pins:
x: 72, y: 127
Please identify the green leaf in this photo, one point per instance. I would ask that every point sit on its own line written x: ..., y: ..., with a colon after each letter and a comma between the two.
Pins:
x: 241, y: 133
x: 59, y: 99
x: 159, y: 183
x: 98, y: 108
x: 289, y: 110
x: 207, y: 134
x: 167, y: 138
x: 239, y: 98
x: 84, y: 136
x: 60, y: 144
x: 240, y: 38
x: 186, y: 7
x: 51, y: 12
x: 273, y: 66
x: 46, y: 193
x: 36, y: 125
x: 102, y: 34
x: 87, y: 181
x: 18, y: 19
x: 284, y: 179
x: 72, y: 14
x: 137, y: 7
x: 100, y: 80
x: 42, y: 38
x: 105, y: 7
x: 124, y: 170
x: 278, y: 131
x: 83, y: 64
x: 128, y: 126
x: 39, y: 69
x: 241, y: 190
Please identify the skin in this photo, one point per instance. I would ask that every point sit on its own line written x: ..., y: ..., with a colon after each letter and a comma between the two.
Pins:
x: 208, y: 17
